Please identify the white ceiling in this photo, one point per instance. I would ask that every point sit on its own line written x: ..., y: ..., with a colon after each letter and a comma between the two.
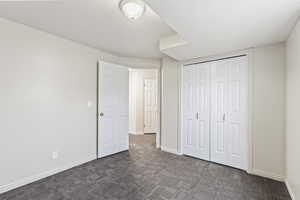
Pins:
x: 203, y: 27
x: 212, y: 27
x: 97, y: 23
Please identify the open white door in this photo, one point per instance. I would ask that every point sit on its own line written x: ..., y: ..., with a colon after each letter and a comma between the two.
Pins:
x: 150, y: 106
x: 113, y: 109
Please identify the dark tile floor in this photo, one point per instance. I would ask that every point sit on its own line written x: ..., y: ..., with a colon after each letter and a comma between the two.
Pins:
x: 145, y: 173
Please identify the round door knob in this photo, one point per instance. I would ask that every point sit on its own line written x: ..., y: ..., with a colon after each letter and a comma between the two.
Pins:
x: 101, y: 114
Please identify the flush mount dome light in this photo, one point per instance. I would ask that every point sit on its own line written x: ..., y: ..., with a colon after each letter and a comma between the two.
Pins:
x: 133, y: 9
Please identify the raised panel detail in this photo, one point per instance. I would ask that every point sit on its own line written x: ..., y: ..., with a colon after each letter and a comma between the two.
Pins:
x: 235, y: 139
x: 108, y: 126
x: 220, y: 97
x: 201, y: 97
x: 201, y: 131
x: 220, y: 137
x: 235, y: 85
x: 189, y: 132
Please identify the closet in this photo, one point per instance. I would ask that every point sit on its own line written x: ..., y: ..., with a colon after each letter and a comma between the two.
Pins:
x: 215, y: 111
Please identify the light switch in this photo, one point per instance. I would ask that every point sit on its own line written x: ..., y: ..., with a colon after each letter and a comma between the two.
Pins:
x: 90, y: 103
x: 54, y: 155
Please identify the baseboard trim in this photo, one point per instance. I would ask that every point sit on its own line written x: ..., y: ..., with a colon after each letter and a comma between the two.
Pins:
x: 292, y: 194
x: 170, y: 150
x: 157, y: 139
x: 136, y: 133
x: 265, y: 174
x: 31, y: 179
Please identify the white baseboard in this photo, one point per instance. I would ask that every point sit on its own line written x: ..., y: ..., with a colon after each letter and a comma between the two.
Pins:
x: 170, y: 150
x: 265, y: 174
x: 136, y: 133
x: 292, y: 194
x: 31, y: 179
x: 157, y: 139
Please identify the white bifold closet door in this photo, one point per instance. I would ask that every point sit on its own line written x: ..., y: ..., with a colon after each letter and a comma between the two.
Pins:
x: 113, y: 109
x: 215, y: 107
x: 196, y: 111
x: 229, y: 112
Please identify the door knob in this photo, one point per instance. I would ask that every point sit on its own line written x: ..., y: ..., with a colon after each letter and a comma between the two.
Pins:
x: 101, y: 114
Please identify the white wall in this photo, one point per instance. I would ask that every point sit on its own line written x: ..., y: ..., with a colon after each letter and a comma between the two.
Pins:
x: 45, y: 85
x: 170, y: 105
x: 268, y: 66
x: 136, y: 98
x: 268, y: 128
x: 292, y: 112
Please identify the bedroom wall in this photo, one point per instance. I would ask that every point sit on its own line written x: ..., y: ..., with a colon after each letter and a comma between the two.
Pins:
x: 292, y: 113
x: 170, y: 123
x: 46, y: 84
x: 268, y: 120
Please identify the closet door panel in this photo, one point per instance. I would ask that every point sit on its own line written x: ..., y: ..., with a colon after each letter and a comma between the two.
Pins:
x: 219, y: 127
x: 237, y: 112
x: 189, y: 115
x: 202, y: 90
x: 196, y: 111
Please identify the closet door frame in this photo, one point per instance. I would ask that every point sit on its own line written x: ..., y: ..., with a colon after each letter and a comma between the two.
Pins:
x: 248, y: 164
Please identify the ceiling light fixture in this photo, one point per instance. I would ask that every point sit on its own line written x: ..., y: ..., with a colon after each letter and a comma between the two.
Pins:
x: 133, y: 9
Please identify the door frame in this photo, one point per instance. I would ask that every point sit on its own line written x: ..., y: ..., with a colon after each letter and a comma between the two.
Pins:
x: 158, y: 97
x: 97, y: 108
x: 249, y: 138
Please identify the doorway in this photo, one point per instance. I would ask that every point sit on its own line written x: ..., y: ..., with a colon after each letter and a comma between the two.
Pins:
x: 215, y: 111
x: 144, y: 109
x: 128, y: 108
